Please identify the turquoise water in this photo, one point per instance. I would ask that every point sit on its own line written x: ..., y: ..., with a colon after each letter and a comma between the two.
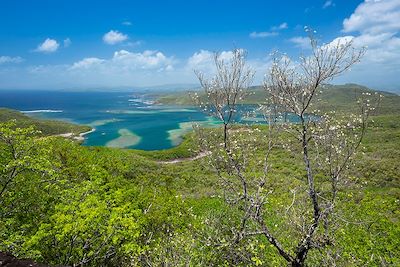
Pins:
x: 129, y: 120
x: 124, y: 120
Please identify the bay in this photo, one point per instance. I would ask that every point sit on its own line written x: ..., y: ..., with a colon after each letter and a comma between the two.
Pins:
x: 120, y: 119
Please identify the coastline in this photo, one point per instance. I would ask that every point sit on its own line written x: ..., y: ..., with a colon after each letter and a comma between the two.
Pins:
x: 80, y: 137
x: 88, y: 132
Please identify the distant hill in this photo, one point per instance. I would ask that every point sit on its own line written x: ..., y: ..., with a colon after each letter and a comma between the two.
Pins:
x: 344, y: 97
x: 333, y: 97
x: 47, y: 127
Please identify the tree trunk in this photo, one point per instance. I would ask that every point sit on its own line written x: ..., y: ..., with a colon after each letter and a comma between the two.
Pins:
x: 295, y: 263
x: 300, y: 257
x: 225, y: 135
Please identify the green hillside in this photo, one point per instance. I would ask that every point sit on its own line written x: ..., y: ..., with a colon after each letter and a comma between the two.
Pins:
x: 337, y: 97
x: 74, y: 205
x: 175, y: 98
x: 47, y: 127
x: 344, y: 97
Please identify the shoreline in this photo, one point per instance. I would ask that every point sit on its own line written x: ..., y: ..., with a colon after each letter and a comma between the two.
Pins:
x: 79, y: 137
x: 88, y: 132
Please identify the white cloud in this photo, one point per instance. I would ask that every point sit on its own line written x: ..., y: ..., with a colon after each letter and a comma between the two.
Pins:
x: 114, y: 37
x: 48, y: 46
x: 123, y: 68
x: 301, y: 42
x: 263, y: 34
x: 67, y: 42
x: 373, y: 17
x: 87, y: 63
x: 148, y: 59
x: 203, y: 60
x: 273, y: 32
x: 7, y: 59
x: 227, y: 55
x: 328, y: 3
x: 124, y: 61
x: 282, y: 26
x: 338, y: 41
x: 200, y: 60
x: 376, y: 25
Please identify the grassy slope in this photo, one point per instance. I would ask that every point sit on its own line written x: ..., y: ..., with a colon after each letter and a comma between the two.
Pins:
x: 175, y: 98
x: 377, y: 167
x: 371, y: 202
x: 344, y: 97
x: 333, y: 97
x: 47, y: 127
x: 373, y: 198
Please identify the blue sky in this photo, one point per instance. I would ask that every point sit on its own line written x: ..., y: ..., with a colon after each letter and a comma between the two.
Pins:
x: 80, y: 44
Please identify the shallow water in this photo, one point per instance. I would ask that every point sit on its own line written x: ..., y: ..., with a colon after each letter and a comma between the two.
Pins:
x: 126, y: 120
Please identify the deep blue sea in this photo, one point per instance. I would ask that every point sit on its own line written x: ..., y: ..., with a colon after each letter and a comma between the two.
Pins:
x: 129, y: 120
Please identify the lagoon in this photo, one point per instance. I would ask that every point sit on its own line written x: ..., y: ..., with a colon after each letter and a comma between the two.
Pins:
x: 120, y: 119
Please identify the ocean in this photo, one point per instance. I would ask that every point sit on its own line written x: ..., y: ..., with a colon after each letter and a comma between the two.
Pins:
x: 120, y: 119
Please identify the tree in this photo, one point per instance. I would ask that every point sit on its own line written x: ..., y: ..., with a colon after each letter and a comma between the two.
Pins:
x: 21, y: 152
x: 325, y: 142
x: 226, y: 88
x: 28, y: 180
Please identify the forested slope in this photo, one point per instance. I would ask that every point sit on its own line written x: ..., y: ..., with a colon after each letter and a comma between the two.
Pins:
x: 47, y: 127
x: 66, y: 204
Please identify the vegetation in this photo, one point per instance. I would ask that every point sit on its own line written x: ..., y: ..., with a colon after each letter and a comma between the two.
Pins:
x: 46, y: 127
x: 184, y: 150
x: 325, y: 146
x: 103, y: 206
x: 332, y: 97
x: 66, y: 204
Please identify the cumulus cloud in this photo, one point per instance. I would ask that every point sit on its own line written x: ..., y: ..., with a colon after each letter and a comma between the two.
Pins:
x: 373, y: 23
x: 374, y: 17
x: 376, y: 25
x: 8, y: 59
x: 114, y: 37
x: 87, y: 63
x: 338, y: 41
x: 126, y: 68
x: 203, y: 61
x: 48, y: 46
x: 122, y: 68
x: 301, y: 42
x: 125, y: 61
x: 148, y: 59
x: 200, y: 58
